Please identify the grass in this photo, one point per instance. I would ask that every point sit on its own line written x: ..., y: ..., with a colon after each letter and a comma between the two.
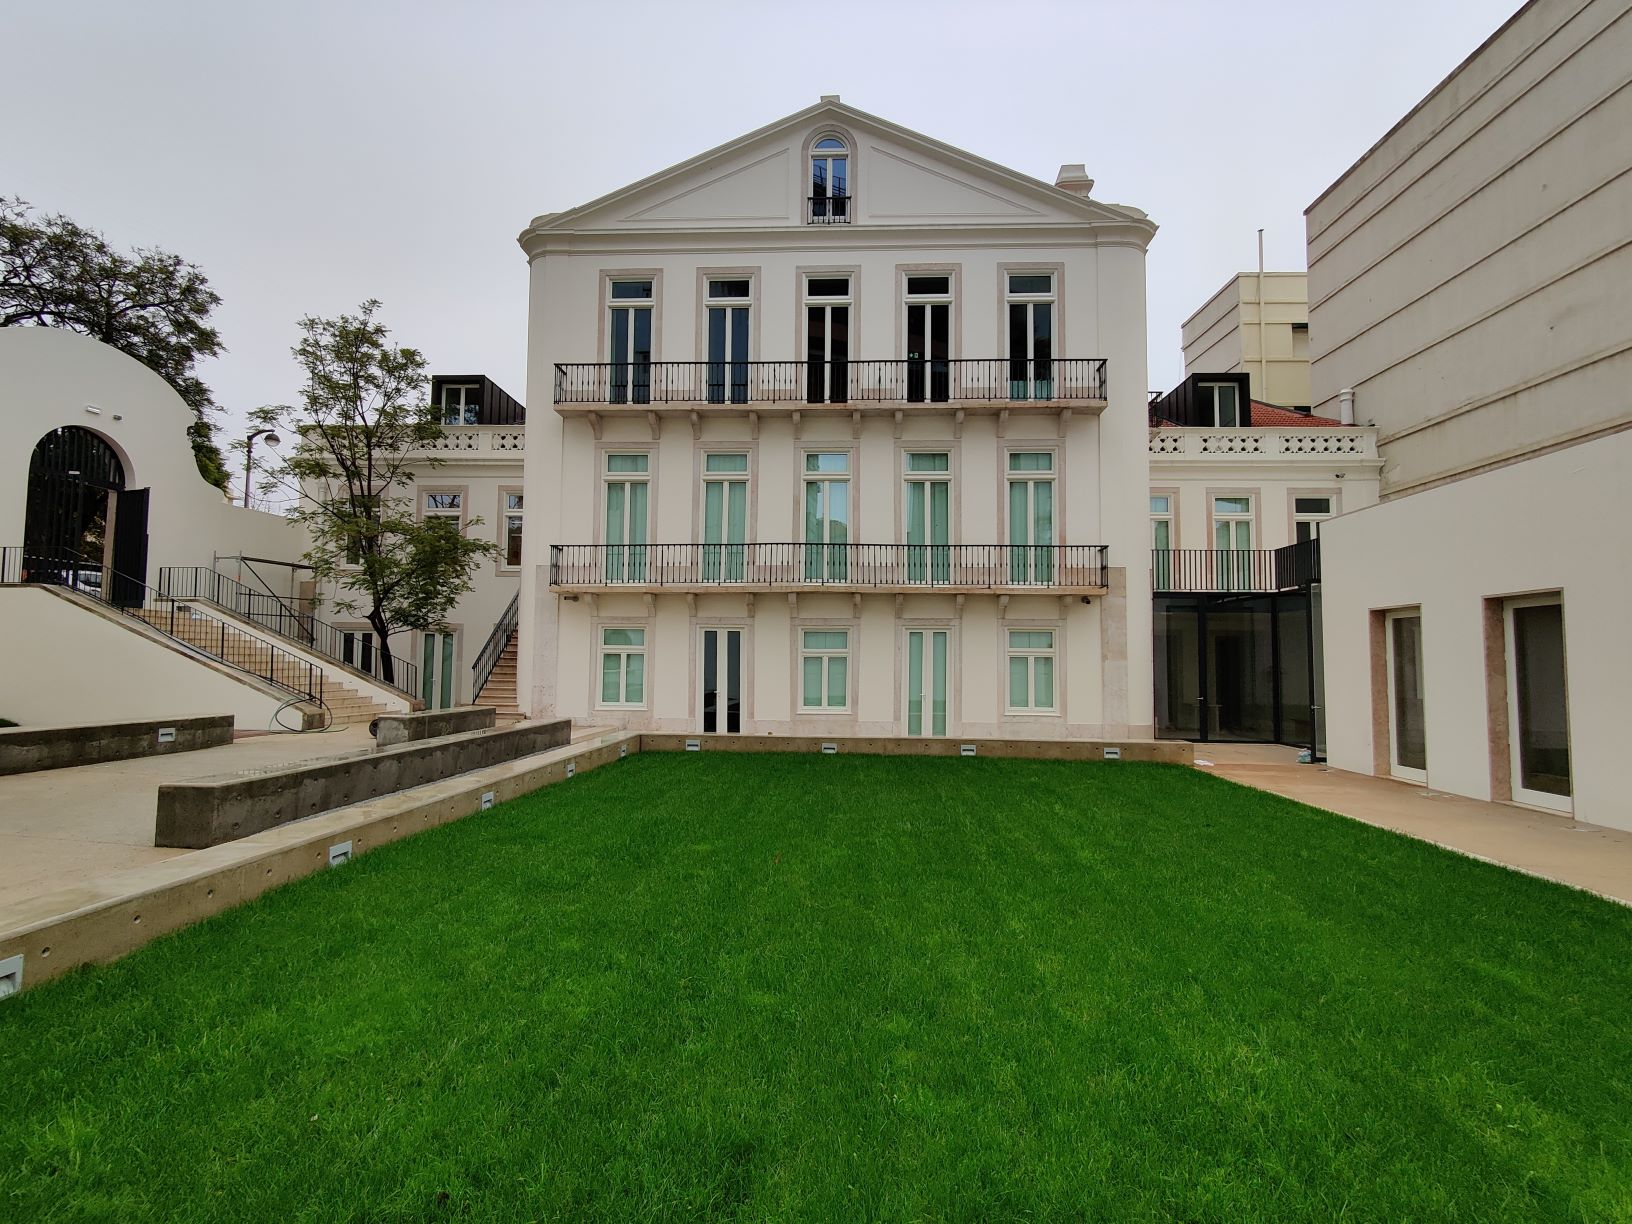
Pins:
x: 844, y: 988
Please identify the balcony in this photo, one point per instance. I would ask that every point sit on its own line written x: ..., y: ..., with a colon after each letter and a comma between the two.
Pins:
x: 828, y: 210
x: 1053, y: 569
x: 1244, y: 570
x: 479, y: 443
x: 853, y: 389
x: 1172, y: 443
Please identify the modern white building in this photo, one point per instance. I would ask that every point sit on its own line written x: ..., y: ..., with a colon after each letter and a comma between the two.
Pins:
x: 1470, y: 283
x: 848, y: 435
x: 1257, y: 324
x: 472, y: 477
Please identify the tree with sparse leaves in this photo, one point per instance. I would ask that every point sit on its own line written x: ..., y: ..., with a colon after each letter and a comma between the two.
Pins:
x: 149, y: 304
x: 362, y: 430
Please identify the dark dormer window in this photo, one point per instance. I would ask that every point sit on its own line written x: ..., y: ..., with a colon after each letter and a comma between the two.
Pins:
x: 461, y: 403
x: 829, y: 182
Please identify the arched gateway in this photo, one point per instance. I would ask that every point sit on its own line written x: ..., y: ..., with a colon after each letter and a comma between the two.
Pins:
x: 84, y: 528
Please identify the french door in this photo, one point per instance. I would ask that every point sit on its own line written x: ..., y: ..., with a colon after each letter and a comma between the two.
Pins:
x: 630, y: 337
x: 626, y: 518
x: 926, y: 681
x: 357, y: 649
x: 728, y: 354
x: 929, y: 349
x: 1538, y: 703
x: 436, y: 675
x: 928, y: 506
x: 719, y: 680
x: 827, y: 517
x: 725, y: 517
x: 1408, y: 731
x: 1031, y: 517
x: 1031, y: 336
x: 827, y: 339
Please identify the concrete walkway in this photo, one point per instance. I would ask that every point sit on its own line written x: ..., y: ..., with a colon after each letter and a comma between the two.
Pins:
x: 60, y: 827
x: 1556, y: 847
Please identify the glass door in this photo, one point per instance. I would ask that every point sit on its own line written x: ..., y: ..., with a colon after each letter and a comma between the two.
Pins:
x: 929, y: 347
x: 728, y: 349
x: 1232, y: 543
x: 1538, y: 717
x: 928, y: 506
x: 827, y: 517
x: 827, y: 339
x: 436, y: 673
x: 926, y: 701
x: 1161, y: 541
x: 357, y: 649
x: 719, y: 686
x: 1031, y: 517
x: 627, y: 480
x: 1031, y: 336
x: 630, y: 334
x: 725, y: 517
x: 1408, y: 731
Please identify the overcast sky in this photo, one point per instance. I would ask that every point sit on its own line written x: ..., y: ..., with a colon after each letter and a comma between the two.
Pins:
x: 308, y: 155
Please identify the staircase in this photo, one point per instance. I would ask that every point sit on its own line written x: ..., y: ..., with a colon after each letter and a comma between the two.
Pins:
x: 500, y: 689
x: 213, y: 636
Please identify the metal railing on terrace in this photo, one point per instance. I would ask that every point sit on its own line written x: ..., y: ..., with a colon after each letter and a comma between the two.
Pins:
x: 1051, y: 568
x: 354, y: 648
x: 828, y: 210
x: 1247, y: 570
x: 981, y: 379
x: 503, y: 630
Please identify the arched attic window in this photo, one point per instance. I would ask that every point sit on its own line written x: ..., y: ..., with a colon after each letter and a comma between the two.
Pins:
x: 830, y: 184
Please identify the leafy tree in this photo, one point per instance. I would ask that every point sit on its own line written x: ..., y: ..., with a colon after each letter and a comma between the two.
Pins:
x: 150, y: 304
x: 362, y: 431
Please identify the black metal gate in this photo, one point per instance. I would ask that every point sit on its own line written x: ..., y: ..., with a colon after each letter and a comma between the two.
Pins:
x: 76, y: 486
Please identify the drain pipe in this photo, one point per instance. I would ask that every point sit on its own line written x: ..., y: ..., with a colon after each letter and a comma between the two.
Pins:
x: 1345, y: 405
x: 1263, y: 353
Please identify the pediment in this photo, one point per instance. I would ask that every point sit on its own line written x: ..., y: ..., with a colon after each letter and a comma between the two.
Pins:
x: 755, y: 191
x: 900, y: 188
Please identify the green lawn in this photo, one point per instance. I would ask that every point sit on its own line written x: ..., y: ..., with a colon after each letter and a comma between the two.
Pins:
x: 818, y: 988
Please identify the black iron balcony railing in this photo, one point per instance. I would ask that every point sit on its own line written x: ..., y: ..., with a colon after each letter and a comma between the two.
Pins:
x: 357, y: 650
x: 1047, y: 567
x: 1248, y: 570
x: 828, y: 210
x: 903, y: 380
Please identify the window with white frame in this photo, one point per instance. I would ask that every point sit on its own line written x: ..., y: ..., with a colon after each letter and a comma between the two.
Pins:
x: 1221, y: 404
x: 444, y: 509
x: 623, y: 666
x: 728, y: 307
x: 1031, y: 671
x: 1307, y: 515
x: 725, y: 517
x: 1031, y: 516
x: 1030, y: 302
x: 1161, y: 540
x: 626, y: 484
x: 630, y: 341
x: 829, y: 181
x: 827, y: 516
x: 461, y: 403
x: 513, y: 513
x: 927, y: 503
x: 1232, y: 542
x: 824, y: 670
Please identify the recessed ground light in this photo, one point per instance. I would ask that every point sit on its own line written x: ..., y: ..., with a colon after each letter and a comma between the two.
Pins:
x: 487, y: 801
x: 694, y: 745
x: 1113, y: 754
x: 829, y: 747
x: 571, y: 768
x: 339, y: 853
x: 966, y: 750
x: 11, y: 976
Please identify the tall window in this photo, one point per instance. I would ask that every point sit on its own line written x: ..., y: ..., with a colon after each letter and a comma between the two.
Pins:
x: 461, y: 403
x: 1031, y: 516
x: 827, y: 516
x: 445, y: 509
x: 1232, y: 542
x: 824, y: 670
x: 623, y: 666
x: 829, y: 181
x: 725, y: 517
x: 929, y: 331
x: 357, y: 649
x: 928, y: 506
x: 512, y: 527
x: 1307, y: 515
x: 1031, y: 335
x: 1031, y: 671
x: 627, y: 482
x: 827, y: 339
x: 1221, y: 404
x: 1161, y: 541
x: 727, y: 303
x: 631, y: 342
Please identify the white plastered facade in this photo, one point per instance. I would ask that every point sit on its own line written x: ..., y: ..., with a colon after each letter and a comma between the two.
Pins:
x: 920, y: 207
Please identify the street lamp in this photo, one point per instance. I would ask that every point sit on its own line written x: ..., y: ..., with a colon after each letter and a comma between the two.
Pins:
x: 272, y: 439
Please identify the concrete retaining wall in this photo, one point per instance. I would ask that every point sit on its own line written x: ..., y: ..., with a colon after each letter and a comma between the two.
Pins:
x: 394, y: 729
x: 1171, y: 752
x: 24, y: 749
x: 210, y: 811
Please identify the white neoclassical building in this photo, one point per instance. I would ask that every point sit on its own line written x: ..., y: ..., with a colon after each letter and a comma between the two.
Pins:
x: 838, y: 428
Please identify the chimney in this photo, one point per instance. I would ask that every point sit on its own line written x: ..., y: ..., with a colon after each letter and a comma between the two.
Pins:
x: 1345, y: 405
x: 1074, y: 178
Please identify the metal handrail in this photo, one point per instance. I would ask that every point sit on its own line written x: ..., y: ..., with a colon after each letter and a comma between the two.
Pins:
x: 1244, y: 570
x: 224, y: 642
x: 1045, y: 567
x: 902, y: 380
x: 275, y: 614
x: 493, y: 649
x: 829, y: 209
